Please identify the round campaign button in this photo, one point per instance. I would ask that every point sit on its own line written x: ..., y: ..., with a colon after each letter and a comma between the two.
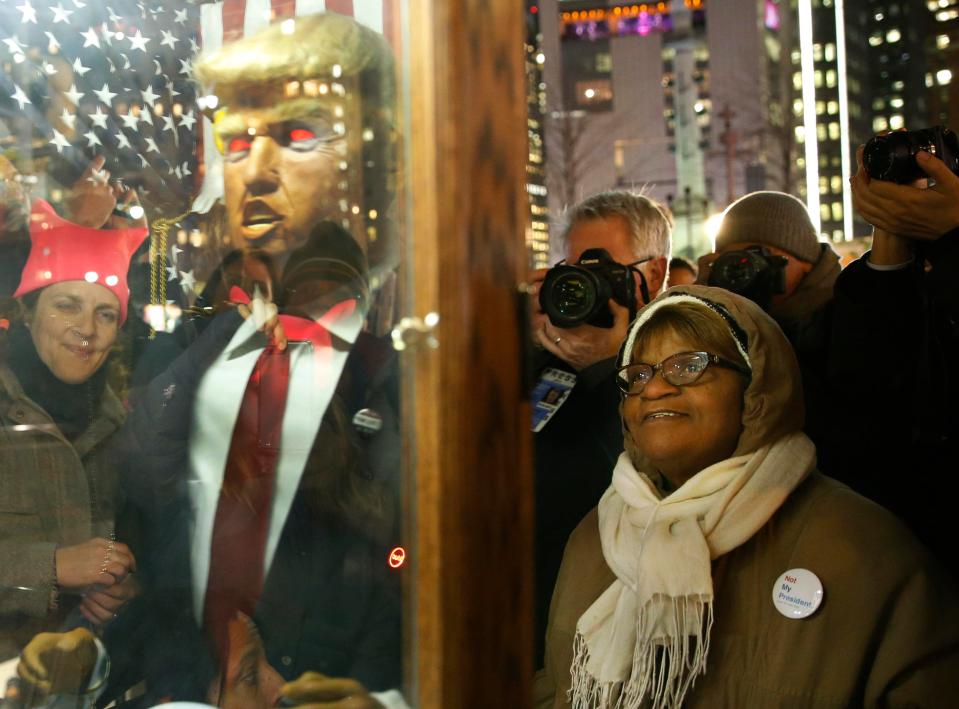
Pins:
x: 797, y: 593
x: 367, y: 421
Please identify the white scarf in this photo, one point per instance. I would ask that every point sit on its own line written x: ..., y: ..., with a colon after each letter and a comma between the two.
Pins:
x: 647, y: 635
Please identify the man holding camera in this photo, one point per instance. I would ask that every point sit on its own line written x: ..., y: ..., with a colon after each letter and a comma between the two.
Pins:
x: 768, y: 250
x: 896, y: 344
x: 617, y: 245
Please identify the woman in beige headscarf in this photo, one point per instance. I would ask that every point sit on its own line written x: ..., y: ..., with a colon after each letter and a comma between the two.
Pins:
x: 681, y: 567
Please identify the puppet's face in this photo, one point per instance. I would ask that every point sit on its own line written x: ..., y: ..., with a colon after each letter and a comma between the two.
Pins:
x: 285, y: 170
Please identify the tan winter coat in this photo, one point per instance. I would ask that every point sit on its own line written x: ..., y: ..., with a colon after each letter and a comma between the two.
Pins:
x: 886, y: 634
x: 45, y: 502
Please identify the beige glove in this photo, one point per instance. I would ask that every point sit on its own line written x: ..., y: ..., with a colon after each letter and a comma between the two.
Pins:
x: 58, y: 663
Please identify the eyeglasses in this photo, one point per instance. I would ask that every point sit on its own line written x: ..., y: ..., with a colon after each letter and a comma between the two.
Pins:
x: 678, y: 369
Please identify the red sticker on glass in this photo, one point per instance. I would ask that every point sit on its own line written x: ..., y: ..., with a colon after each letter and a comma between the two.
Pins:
x: 397, y: 557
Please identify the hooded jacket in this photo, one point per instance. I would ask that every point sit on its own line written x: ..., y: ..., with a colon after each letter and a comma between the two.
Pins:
x: 887, y: 631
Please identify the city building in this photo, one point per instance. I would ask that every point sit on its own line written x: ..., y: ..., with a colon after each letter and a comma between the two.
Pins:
x: 700, y: 102
x: 942, y: 72
x: 537, y: 230
x: 690, y: 101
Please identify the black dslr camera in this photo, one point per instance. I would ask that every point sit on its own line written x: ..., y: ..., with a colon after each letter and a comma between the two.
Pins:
x: 754, y: 273
x: 892, y: 157
x: 577, y: 294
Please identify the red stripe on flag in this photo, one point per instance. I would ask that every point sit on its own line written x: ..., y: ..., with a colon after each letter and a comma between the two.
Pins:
x: 343, y: 7
x: 233, y: 13
x: 283, y: 8
x: 390, y: 25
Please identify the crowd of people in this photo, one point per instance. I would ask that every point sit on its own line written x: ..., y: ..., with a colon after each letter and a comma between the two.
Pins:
x: 780, y: 497
x: 741, y: 488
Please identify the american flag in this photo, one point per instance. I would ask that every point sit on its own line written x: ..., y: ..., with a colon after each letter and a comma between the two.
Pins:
x: 81, y: 78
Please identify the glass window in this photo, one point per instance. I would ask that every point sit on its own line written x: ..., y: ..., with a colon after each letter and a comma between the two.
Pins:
x: 201, y: 251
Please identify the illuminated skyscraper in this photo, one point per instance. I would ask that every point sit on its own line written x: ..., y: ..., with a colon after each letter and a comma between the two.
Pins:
x: 942, y: 73
x: 537, y: 232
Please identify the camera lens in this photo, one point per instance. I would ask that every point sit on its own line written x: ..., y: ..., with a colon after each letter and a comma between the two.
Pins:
x: 734, y: 271
x: 573, y: 295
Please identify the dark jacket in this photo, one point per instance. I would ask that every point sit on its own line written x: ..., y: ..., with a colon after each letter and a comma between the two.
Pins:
x: 895, y: 348
x: 330, y: 603
x: 575, y: 455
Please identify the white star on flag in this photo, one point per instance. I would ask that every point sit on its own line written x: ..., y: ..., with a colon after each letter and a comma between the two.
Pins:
x: 79, y: 68
x: 105, y: 94
x: 60, y: 14
x: 20, y: 97
x: 171, y: 273
x: 168, y: 123
x: 68, y: 119
x: 59, y: 141
x: 187, y: 280
x: 129, y: 120
x: 29, y: 14
x: 187, y: 120
x: 185, y: 170
x: 90, y: 38
x: 122, y: 140
x: 179, y: 16
x: 54, y: 44
x: 168, y: 40
x: 74, y: 95
x: 14, y: 46
x: 152, y: 146
x: 149, y: 96
x: 92, y: 139
x: 138, y: 41
x: 99, y: 119
x: 176, y: 251
x: 186, y: 66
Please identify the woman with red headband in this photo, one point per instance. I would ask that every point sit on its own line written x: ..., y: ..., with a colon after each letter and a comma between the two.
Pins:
x: 59, y: 554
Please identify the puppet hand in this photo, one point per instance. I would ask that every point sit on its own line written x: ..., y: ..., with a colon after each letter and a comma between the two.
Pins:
x: 317, y: 691
x: 58, y: 663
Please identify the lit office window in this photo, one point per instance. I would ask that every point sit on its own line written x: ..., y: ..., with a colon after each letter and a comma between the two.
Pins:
x: 942, y: 41
x: 893, y: 35
x: 879, y: 123
x: 896, y: 121
x: 837, y: 211
x: 832, y: 108
x: 943, y: 76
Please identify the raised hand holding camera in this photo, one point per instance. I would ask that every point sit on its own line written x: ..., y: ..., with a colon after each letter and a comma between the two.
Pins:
x: 909, y: 210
